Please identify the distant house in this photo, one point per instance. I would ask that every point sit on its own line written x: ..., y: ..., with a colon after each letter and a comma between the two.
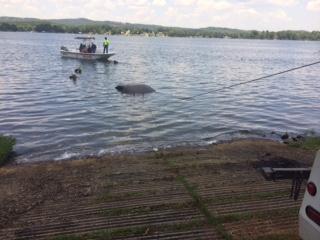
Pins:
x: 160, y: 34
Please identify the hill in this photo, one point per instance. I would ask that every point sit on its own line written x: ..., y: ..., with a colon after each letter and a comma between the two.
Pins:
x: 85, y: 25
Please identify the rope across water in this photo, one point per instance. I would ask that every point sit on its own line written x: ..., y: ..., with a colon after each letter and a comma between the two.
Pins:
x: 250, y: 81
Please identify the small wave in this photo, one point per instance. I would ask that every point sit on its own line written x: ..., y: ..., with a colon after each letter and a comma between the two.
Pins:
x: 66, y: 156
x: 242, y: 134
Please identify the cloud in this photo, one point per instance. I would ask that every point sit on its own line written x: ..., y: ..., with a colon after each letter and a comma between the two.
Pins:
x: 214, y: 5
x: 184, y: 2
x: 280, y: 14
x: 247, y: 14
x: 159, y: 2
x: 283, y: 2
x: 314, y: 5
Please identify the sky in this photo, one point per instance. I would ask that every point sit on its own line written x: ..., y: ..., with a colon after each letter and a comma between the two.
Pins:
x: 243, y: 14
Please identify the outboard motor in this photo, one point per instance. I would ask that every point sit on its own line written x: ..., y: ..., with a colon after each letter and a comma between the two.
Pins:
x: 63, y: 48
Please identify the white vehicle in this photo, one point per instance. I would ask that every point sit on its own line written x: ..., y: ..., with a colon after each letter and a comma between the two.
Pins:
x: 84, y: 54
x: 309, y: 216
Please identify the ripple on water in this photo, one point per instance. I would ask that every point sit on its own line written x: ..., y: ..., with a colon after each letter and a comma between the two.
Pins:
x: 55, y: 118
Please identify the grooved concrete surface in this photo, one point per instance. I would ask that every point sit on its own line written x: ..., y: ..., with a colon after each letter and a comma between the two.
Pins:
x: 141, y: 197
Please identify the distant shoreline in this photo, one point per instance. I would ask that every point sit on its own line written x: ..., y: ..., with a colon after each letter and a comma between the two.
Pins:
x: 142, y: 36
x: 87, y: 26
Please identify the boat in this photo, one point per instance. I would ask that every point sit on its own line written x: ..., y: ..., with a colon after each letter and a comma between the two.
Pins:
x: 77, y: 54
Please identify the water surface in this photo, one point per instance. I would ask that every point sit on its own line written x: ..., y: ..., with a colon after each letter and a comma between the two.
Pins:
x: 54, y: 118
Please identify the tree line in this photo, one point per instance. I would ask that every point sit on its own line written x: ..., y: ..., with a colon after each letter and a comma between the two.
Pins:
x: 137, y: 29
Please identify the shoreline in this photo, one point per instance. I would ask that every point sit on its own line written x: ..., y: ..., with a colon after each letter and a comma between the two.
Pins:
x: 142, y: 152
x: 213, y: 35
x: 222, y: 138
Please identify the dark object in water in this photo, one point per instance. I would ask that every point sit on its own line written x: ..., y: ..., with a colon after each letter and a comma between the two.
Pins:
x: 135, y: 89
x: 112, y: 61
x: 78, y: 70
x: 73, y: 77
x: 285, y: 136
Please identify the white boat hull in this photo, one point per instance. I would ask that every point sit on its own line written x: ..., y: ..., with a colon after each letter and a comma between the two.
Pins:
x: 86, y: 56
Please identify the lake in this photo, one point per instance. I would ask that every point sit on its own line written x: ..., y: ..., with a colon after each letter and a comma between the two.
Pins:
x: 54, y: 118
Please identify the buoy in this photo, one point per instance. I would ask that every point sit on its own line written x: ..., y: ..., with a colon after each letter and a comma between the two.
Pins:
x: 112, y: 61
x: 73, y: 77
x: 135, y: 89
x: 78, y: 70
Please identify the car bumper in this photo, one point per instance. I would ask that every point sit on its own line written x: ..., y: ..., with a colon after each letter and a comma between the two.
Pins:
x: 307, y: 230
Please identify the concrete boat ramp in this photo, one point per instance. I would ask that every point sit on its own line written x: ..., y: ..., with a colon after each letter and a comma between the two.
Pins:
x: 183, y: 193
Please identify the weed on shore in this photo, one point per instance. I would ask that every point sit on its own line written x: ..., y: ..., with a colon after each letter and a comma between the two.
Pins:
x: 6, y: 147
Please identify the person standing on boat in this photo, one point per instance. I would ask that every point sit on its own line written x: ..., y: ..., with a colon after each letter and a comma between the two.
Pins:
x: 106, y: 44
x: 93, y: 48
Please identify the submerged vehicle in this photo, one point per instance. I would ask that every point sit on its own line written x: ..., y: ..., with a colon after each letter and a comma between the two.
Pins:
x: 309, y: 216
x: 86, y: 51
